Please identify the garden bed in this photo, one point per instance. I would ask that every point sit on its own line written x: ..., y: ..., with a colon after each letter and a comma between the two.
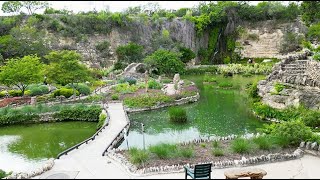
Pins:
x: 199, y: 153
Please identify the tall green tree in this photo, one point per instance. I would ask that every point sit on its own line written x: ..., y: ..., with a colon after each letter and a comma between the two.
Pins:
x: 65, y: 68
x: 129, y: 53
x: 165, y: 62
x: 30, y: 6
x: 11, y: 6
x: 310, y: 12
x: 23, y: 41
x: 22, y: 71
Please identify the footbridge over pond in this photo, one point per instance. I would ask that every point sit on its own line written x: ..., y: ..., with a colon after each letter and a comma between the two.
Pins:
x: 87, y: 160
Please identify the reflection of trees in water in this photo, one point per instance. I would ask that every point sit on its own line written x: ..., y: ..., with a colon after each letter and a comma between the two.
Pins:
x: 218, y: 112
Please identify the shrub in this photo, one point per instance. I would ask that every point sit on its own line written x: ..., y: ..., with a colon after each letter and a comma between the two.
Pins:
x: 15, y: 93
x: 163, y: 151
x: 186, y: 152
x: 64, y: 92
x: 241, y: 146
x: 311, y: 119
x: 138, y: 156
x: 203, y: 145
x: 3, y: 174
x: 153, y: 84
x: 263, y: 142
x: 201, y: 70
x: 79, y: 113
x: 178, y: 115
x: 225, y: 84
x: 36, y: 90
x: 130, y: 53
x: 103, y: 46
x: 316, y: 56
x: 125, y: 88
x: 147, y: 100
x: 102, y: 119
x: 115, y: 97
x: 314, y: 32
x: 209, y: 79
x: 253, y: 91
x: 279, y: 87
x: 81, y: 88
x: 129, y: 80
x: 15, y: 118
x: 215, y: 144
x: 292, y: 132
x: 187, y: 54
x: 3, y: 94
x: 217, y: 152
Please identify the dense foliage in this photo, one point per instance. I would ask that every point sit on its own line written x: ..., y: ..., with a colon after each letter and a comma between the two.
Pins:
x: 165, y: 62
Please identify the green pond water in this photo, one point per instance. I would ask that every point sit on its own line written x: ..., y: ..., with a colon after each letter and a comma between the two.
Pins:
x: 219, y: 112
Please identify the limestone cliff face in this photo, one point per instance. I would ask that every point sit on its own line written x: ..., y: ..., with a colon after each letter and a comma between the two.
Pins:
x: 142, y: 33
x: 270, y: 36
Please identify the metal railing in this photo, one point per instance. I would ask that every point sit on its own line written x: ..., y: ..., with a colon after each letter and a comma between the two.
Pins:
x: 127, y: 126
x: 65, y: 152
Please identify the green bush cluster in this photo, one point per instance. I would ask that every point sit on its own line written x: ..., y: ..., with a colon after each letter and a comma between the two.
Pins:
x: 208, y: 78
x: 147, y: 100
x: 66, y: 92
x: 125, y: 88
x: 289, y: 133
x: 241, y: 146
x: 81, y: 88
x: 278, y: 87
x: 79, y: 113
x: 102, y: 119
x: 153, y: 84
x: 246, y: 69
x: 201, y: 70
x: 225, y: 84
x: 129, y: 80
x: 115, y: 97
x: 17, y: 118
x: 309, y: 117
x: 15, y: 93
x: 178, y: 115
x: 138, y: 156
x: 37, y: 89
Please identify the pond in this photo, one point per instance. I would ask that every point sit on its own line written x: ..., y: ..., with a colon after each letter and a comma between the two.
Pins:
x: 219, y: 112
x: 26, y: 147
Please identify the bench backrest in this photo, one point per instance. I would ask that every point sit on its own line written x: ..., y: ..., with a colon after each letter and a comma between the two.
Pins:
x: 202, y: 170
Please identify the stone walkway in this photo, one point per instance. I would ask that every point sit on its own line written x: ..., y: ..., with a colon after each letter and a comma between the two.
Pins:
x: 87, y: 161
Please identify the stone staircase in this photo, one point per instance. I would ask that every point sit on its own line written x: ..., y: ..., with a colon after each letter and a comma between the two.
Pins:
x: 296, y: 72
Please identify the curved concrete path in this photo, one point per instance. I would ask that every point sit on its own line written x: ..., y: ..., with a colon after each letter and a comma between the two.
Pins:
x: 87, y: 161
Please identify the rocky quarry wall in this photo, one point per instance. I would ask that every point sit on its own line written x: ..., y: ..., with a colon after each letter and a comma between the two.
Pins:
x: 301, y: 76
x: 270, y: 36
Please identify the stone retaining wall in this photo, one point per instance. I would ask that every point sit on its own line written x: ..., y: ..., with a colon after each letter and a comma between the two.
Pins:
x: 46, y: 167
x: 217, y: 165
x: 176, y: 102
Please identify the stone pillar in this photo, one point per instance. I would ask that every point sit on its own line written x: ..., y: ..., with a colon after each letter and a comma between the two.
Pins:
x: 146, y: 77
x: 33, y: 101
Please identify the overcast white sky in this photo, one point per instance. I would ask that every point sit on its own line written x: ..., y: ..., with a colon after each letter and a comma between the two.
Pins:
x: 117, y: 6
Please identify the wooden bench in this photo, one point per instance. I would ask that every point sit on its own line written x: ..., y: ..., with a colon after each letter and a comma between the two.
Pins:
x: 253, y: 173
